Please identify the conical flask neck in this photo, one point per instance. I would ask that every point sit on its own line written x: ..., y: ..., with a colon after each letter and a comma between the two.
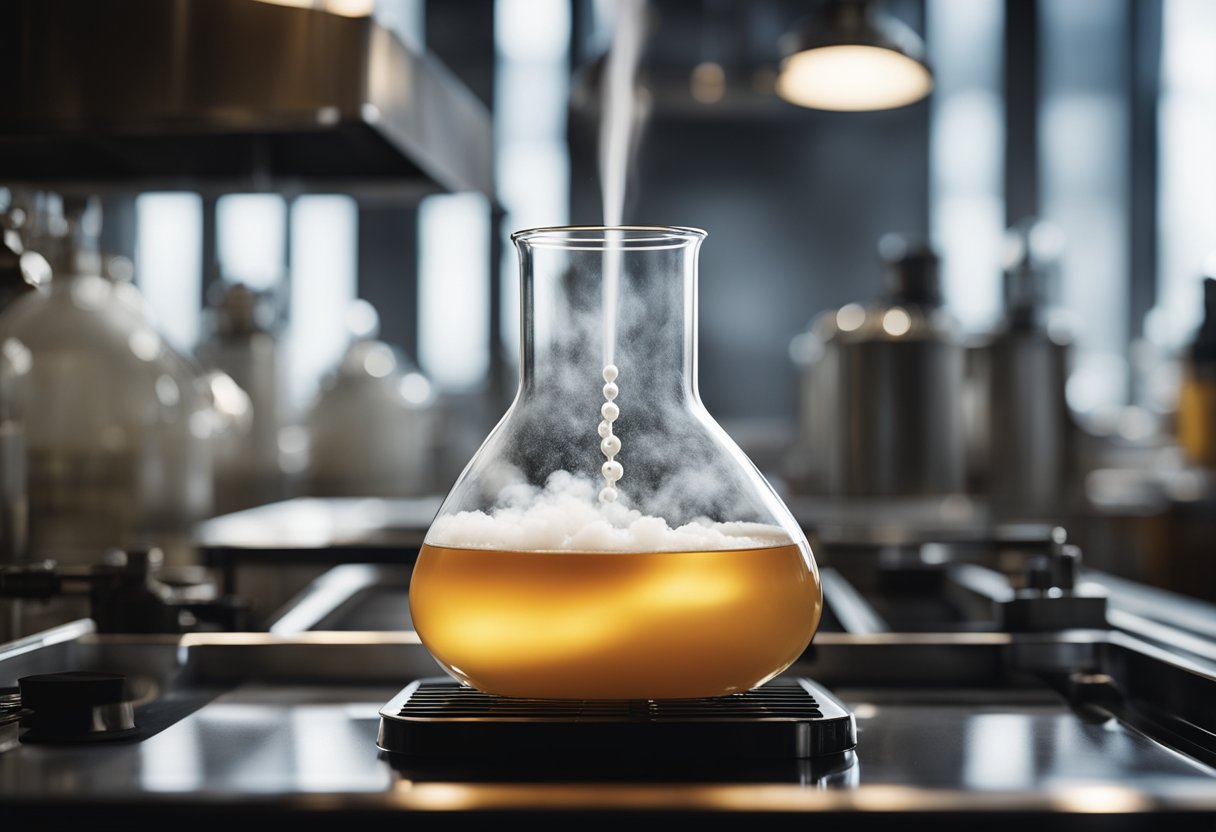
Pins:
x: 592, y: 301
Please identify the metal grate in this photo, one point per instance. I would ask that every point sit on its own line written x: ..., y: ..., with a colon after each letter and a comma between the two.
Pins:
x: 786, y: 719
x: 446, y: 699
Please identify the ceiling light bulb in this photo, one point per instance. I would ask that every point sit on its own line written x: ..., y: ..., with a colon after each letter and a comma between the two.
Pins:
x: 850, y: 57
x: 853, y: 78
x: 344, y: 8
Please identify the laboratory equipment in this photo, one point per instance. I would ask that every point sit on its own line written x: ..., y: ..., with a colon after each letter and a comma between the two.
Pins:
x: 609, y: 540
x: 115, y: 422
x: 1023, y: 371
x: 243, y: 343
x: 373, y: 428
x: 883, y: 388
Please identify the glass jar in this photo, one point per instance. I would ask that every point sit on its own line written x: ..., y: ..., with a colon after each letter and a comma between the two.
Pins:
x: 609, y: 540
x: 1197, y: 396
x: 14, y: 502
x: 115, y: 422
x: 242, y: 342
x: 372, y: 429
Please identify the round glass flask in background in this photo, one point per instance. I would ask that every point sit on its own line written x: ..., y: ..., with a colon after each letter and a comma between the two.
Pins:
x: 115, y: 421
x: 609, y: 540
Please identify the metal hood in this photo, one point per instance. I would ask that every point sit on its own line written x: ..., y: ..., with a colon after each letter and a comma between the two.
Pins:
x: 229, y: 94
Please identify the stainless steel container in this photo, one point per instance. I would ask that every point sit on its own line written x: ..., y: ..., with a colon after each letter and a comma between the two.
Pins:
x: 893, y: 374
x: 1023, y: 370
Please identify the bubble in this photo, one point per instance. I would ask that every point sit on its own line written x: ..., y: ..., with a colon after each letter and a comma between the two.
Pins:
x: 610, y: 444
x: 608, y: 495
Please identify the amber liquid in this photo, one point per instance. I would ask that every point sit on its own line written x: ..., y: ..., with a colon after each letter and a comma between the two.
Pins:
x: 1197, y: 418
x: 607, y: 625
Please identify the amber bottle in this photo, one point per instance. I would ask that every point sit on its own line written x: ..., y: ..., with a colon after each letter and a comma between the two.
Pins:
x: 1197, y: 397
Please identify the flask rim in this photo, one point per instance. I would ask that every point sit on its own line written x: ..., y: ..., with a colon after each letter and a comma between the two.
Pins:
x: 606, y: 237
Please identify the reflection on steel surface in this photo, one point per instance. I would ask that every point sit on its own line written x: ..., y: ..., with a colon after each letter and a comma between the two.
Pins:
x: 292, y: 720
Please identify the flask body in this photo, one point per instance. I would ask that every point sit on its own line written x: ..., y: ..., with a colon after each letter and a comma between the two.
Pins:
x: 683, y: 575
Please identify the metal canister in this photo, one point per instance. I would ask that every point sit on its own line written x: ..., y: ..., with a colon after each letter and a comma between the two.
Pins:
x: 896, y: 369
x: 1024, y: 369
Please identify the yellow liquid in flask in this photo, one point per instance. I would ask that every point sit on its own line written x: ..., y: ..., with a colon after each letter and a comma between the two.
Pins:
x: 611, y: 625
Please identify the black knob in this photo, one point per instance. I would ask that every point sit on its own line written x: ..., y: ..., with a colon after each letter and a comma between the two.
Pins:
x: 1039, y: 574
x: 77, y: 706
x: 30, y: 580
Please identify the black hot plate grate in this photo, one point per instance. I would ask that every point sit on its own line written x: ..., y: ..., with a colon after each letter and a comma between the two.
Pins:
x: 786, y: 718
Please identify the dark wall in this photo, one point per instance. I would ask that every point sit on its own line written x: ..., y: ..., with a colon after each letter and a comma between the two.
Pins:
x: 794, y: 210
x: 794, y: 201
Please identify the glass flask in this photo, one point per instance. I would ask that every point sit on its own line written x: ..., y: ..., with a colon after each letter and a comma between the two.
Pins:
x: 14, y: 501
x: 1197, y: 396
x: 609, y: 540
x: 116, y: 422
x: 372, y: 428
x: 243, y: 343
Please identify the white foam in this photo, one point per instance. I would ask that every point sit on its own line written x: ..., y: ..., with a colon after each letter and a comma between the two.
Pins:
x: 565, y: 516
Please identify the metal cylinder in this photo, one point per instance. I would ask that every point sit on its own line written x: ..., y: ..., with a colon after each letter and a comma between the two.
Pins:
x: 898, y: 371
x: 1027, y: 423
x: 1025, y: 370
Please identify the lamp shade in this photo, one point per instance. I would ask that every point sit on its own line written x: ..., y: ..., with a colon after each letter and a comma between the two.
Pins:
x: 851, y: 57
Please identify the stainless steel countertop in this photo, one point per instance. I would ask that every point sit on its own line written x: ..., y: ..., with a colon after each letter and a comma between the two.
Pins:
x: 292, y: 742
x: 290, y: 723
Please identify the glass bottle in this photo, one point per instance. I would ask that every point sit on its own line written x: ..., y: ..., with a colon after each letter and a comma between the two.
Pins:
x: 372, y: 428
x: 609, y: 540
x: 16, y: 281
x: 17, y: 278
x: 116, y: 422
x: 14, y: 501
x: 1197, y: 396
x: 242, y: 342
